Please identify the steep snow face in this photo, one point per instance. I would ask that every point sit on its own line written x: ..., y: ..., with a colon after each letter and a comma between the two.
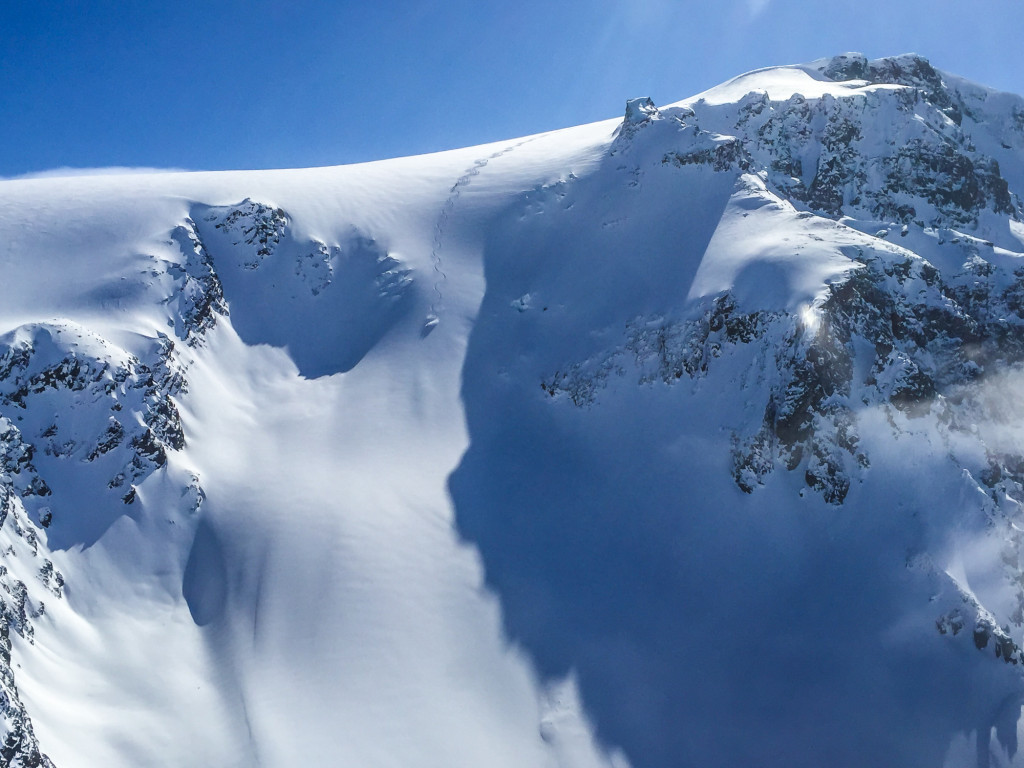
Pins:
x: 230, y: 406
x: 685, y: 439
x: 744, y: 427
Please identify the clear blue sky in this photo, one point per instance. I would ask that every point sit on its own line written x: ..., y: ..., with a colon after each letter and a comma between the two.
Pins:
x: 288, y: 83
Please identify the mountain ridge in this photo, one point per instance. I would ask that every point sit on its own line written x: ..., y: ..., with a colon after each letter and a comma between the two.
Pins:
x: 522, y: 444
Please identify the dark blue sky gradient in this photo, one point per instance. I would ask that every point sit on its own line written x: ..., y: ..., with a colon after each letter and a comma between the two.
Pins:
x: 261, y: 84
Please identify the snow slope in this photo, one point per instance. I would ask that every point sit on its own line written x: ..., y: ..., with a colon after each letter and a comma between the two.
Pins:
x: 685, y: 439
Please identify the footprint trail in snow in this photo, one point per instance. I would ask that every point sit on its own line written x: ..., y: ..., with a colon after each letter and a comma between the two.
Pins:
x: 440, y: 226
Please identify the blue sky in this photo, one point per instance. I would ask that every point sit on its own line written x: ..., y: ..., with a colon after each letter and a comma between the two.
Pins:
x: 261, y: 84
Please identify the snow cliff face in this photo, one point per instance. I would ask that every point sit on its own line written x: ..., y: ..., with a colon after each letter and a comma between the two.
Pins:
x: 688, y: 439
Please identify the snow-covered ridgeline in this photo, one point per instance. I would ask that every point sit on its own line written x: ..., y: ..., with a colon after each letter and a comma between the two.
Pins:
x: 718, y: 401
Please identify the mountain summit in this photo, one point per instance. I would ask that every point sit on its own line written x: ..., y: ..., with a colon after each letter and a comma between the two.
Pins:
x: 689, y: 438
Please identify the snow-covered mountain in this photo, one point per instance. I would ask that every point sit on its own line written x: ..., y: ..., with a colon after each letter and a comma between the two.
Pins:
x: 691, y: 438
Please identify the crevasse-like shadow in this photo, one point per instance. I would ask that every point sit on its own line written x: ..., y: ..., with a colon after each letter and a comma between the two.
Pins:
x: 706, y: 627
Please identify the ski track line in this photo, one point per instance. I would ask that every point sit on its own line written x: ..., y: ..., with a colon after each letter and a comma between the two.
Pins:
x: 442, y: 223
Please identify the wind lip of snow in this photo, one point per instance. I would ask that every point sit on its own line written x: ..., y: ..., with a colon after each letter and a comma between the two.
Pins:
x: 780, y: 83
x: 785, y: 81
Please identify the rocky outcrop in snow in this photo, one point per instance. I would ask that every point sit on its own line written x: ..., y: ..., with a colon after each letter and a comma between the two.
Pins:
x: 925, y: 316
x: 76, y: 406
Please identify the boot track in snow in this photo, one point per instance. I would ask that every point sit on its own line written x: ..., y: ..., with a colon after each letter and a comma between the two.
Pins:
x: 433, y: 318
